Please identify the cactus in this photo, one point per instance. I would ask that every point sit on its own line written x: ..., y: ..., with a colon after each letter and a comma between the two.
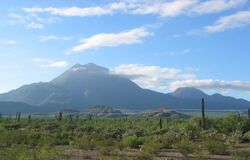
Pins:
x: 77, y: 117
x: 29, y: 118
x: 160, y: 123
x: 90, y: 117
x: 203, y: 114
x: 249, y: 113
x: 59, y: 117
x: 18, y: 117
x: 70, y: 117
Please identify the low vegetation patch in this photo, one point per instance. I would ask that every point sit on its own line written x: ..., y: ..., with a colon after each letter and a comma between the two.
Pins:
x: 45, y: 139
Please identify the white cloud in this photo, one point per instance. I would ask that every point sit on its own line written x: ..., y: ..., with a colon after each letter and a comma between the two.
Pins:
x: 213, y: 6
x: 152, y: 77
x: 165, y: 79
x: 32, y: 21
x: 41, y: 60
x: 210, y: 84
x: 164, y: 8
x: 58, y: 64
x: 10, y: 42
x: 35, y: 25
x: 111, y: 39
x: 71, y: 11
x: 239, y: 19
x: 51, y: 37
x: 47, y: 63
x: 16, y: 18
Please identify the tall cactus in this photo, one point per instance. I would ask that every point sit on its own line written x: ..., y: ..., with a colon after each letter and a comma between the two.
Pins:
x: 160, y: 123
x: 18, y: 116
x: 70, y: 117
x: 59, y: 117
x: 29, y: 118
x: 249, y: 113
x: 77, y: 117
x: 90, y: 117
x: 203, y: 114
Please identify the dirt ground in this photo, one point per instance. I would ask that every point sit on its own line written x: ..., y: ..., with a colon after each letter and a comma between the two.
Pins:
x: 164, y: 154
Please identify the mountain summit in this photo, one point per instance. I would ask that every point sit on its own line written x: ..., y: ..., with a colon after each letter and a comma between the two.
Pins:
x: 89, y: 68
x: 78, y: 72
x: 89, y: 85
x: 189, y: 93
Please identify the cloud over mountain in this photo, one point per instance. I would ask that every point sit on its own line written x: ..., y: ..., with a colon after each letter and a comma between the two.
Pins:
x: 156, y: 77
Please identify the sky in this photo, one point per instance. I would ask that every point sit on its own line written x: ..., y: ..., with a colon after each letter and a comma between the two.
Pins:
x: 160, y: 44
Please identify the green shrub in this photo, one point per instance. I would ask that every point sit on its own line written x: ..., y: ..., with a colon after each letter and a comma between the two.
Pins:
x: 85, y: 142
x: 22, y: 152
x: 241, y: 155
x: 132, y: 141
x: 215, y: 147
x: 152, y: 145
x: 185, y: 147
x: 144, y: 156
x: 198, y: 152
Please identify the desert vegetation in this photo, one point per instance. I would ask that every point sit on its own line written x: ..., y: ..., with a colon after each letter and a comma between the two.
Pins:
x: 73, y: 137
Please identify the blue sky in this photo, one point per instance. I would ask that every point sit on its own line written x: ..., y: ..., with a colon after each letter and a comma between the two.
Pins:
x: 166, y: 43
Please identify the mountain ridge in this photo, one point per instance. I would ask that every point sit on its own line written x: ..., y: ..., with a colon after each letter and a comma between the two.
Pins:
x: 87, y: 85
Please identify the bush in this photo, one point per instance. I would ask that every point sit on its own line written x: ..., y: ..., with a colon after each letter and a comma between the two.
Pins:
x: 246, y: 126
x: 22, y: 152
x: 132, y: 141
x: 241, y: 155
x: 85, y: 143
x: 198, y: 152
x: 144, y: 156
x: 215, y: 147
x: 185, y: 147
x: 152, y: 144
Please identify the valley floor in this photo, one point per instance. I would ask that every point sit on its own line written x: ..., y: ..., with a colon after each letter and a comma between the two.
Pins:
x: 73, y: 138
x: 163, y: 154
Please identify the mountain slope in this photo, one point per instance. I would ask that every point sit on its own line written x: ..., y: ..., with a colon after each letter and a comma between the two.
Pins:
x: 36, y: 94
x: 89, y: 85
x: 192, y: 97
x: 13, y: 107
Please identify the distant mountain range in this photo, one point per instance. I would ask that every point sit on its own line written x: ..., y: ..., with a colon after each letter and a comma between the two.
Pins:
x: 88, y: 85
